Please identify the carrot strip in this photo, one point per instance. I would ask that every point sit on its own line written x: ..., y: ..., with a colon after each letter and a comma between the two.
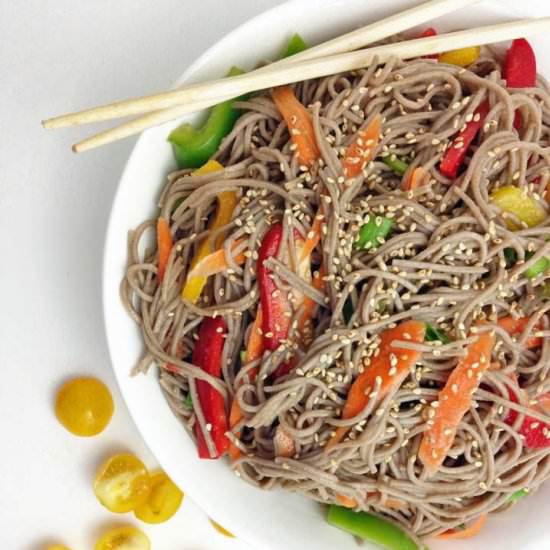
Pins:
x: 299, y: 124
x: 516, y: 327
x: 361, y: 151
x: 470, y: 531
x: 454, y: 400
x: 164, y: 244
x: 346, y: 502
x: 390, y: 367
x: 313, y: 237
x: 215, y: 263
x: 254, y: 350
x: 414, y: 179
x: 350, y: 502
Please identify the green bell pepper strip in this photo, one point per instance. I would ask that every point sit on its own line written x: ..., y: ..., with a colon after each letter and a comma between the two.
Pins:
x: 514, y: 497
x: 370, y: 528
x: 194, y: 146
x: 372, y: 233
x: 510, y: 256
x: 347, y: 310
x: 396, y: 164
x: 188, y: 401
x: 539, y: 267
x: 433, y: 334
x: 295, y: 45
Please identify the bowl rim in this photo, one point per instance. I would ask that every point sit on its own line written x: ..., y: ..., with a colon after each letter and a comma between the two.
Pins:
x: 106, y: 282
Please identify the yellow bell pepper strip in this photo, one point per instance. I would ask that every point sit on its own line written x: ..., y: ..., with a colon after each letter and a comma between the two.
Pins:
x: 193, y: 147
x: 227, y: 201
x: 516, y: 201
x: 461, y: 57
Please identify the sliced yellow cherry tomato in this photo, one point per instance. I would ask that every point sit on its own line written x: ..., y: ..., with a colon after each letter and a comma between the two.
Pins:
x: 84, y: 406
x: 461, y: 57
x: 57, y: 547
x: 163, y: 502
x: 518, y: 202
x: 221, y: 529
x: 123, y: 538
x: 122, y: 483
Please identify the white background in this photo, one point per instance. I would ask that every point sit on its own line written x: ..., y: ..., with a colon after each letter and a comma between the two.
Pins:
x: 58, y: 56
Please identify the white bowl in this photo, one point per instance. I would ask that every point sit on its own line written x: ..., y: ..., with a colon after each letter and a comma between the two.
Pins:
x: 268, y: 520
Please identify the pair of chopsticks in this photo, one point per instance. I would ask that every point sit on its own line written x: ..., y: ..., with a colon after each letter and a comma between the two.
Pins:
x: 338, y: 55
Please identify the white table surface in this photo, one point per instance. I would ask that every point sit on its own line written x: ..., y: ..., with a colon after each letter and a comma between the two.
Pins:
x: 57, y: 56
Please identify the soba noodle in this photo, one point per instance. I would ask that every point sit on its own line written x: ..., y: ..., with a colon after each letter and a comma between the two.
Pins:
x: 444, y: 264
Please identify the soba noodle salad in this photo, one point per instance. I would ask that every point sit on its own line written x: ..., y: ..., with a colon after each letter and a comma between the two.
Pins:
x: 348, y: 293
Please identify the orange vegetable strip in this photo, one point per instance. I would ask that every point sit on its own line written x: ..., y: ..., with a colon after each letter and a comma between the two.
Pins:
x: 350, y: 502
x: 254, y: 350
x: 346, y: 502
x: 414, y: 179
x: 299, y: 124
x: 164, y: 244
x: 361, y: 151
x: 309, y: 305
x: 390, y: 367
x: 313, y: 237
x: 284, y: 444
x: 216, y: 263
x: 516, y: 327
x: 454, y: 400
x: 471, y: 530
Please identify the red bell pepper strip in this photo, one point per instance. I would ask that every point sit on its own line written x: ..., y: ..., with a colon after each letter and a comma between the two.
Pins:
x: 520, y: 69
x: 430, y: 31
x: 536, y: 434
x: 275, y: 306
x: 207, y: 355
x: 456, y: 153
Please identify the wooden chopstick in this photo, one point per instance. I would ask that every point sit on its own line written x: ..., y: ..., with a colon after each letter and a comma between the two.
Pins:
x: 348, y: 42
x: 379, y: 30
x: 198, y: 96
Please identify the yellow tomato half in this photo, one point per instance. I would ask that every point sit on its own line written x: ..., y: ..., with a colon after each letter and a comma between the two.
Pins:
x: 122, y: 483
x: 123, y: 538
x: 221, y: 529
x: 57, y: 547
x: 84, y: 406
x: 163, y: 502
